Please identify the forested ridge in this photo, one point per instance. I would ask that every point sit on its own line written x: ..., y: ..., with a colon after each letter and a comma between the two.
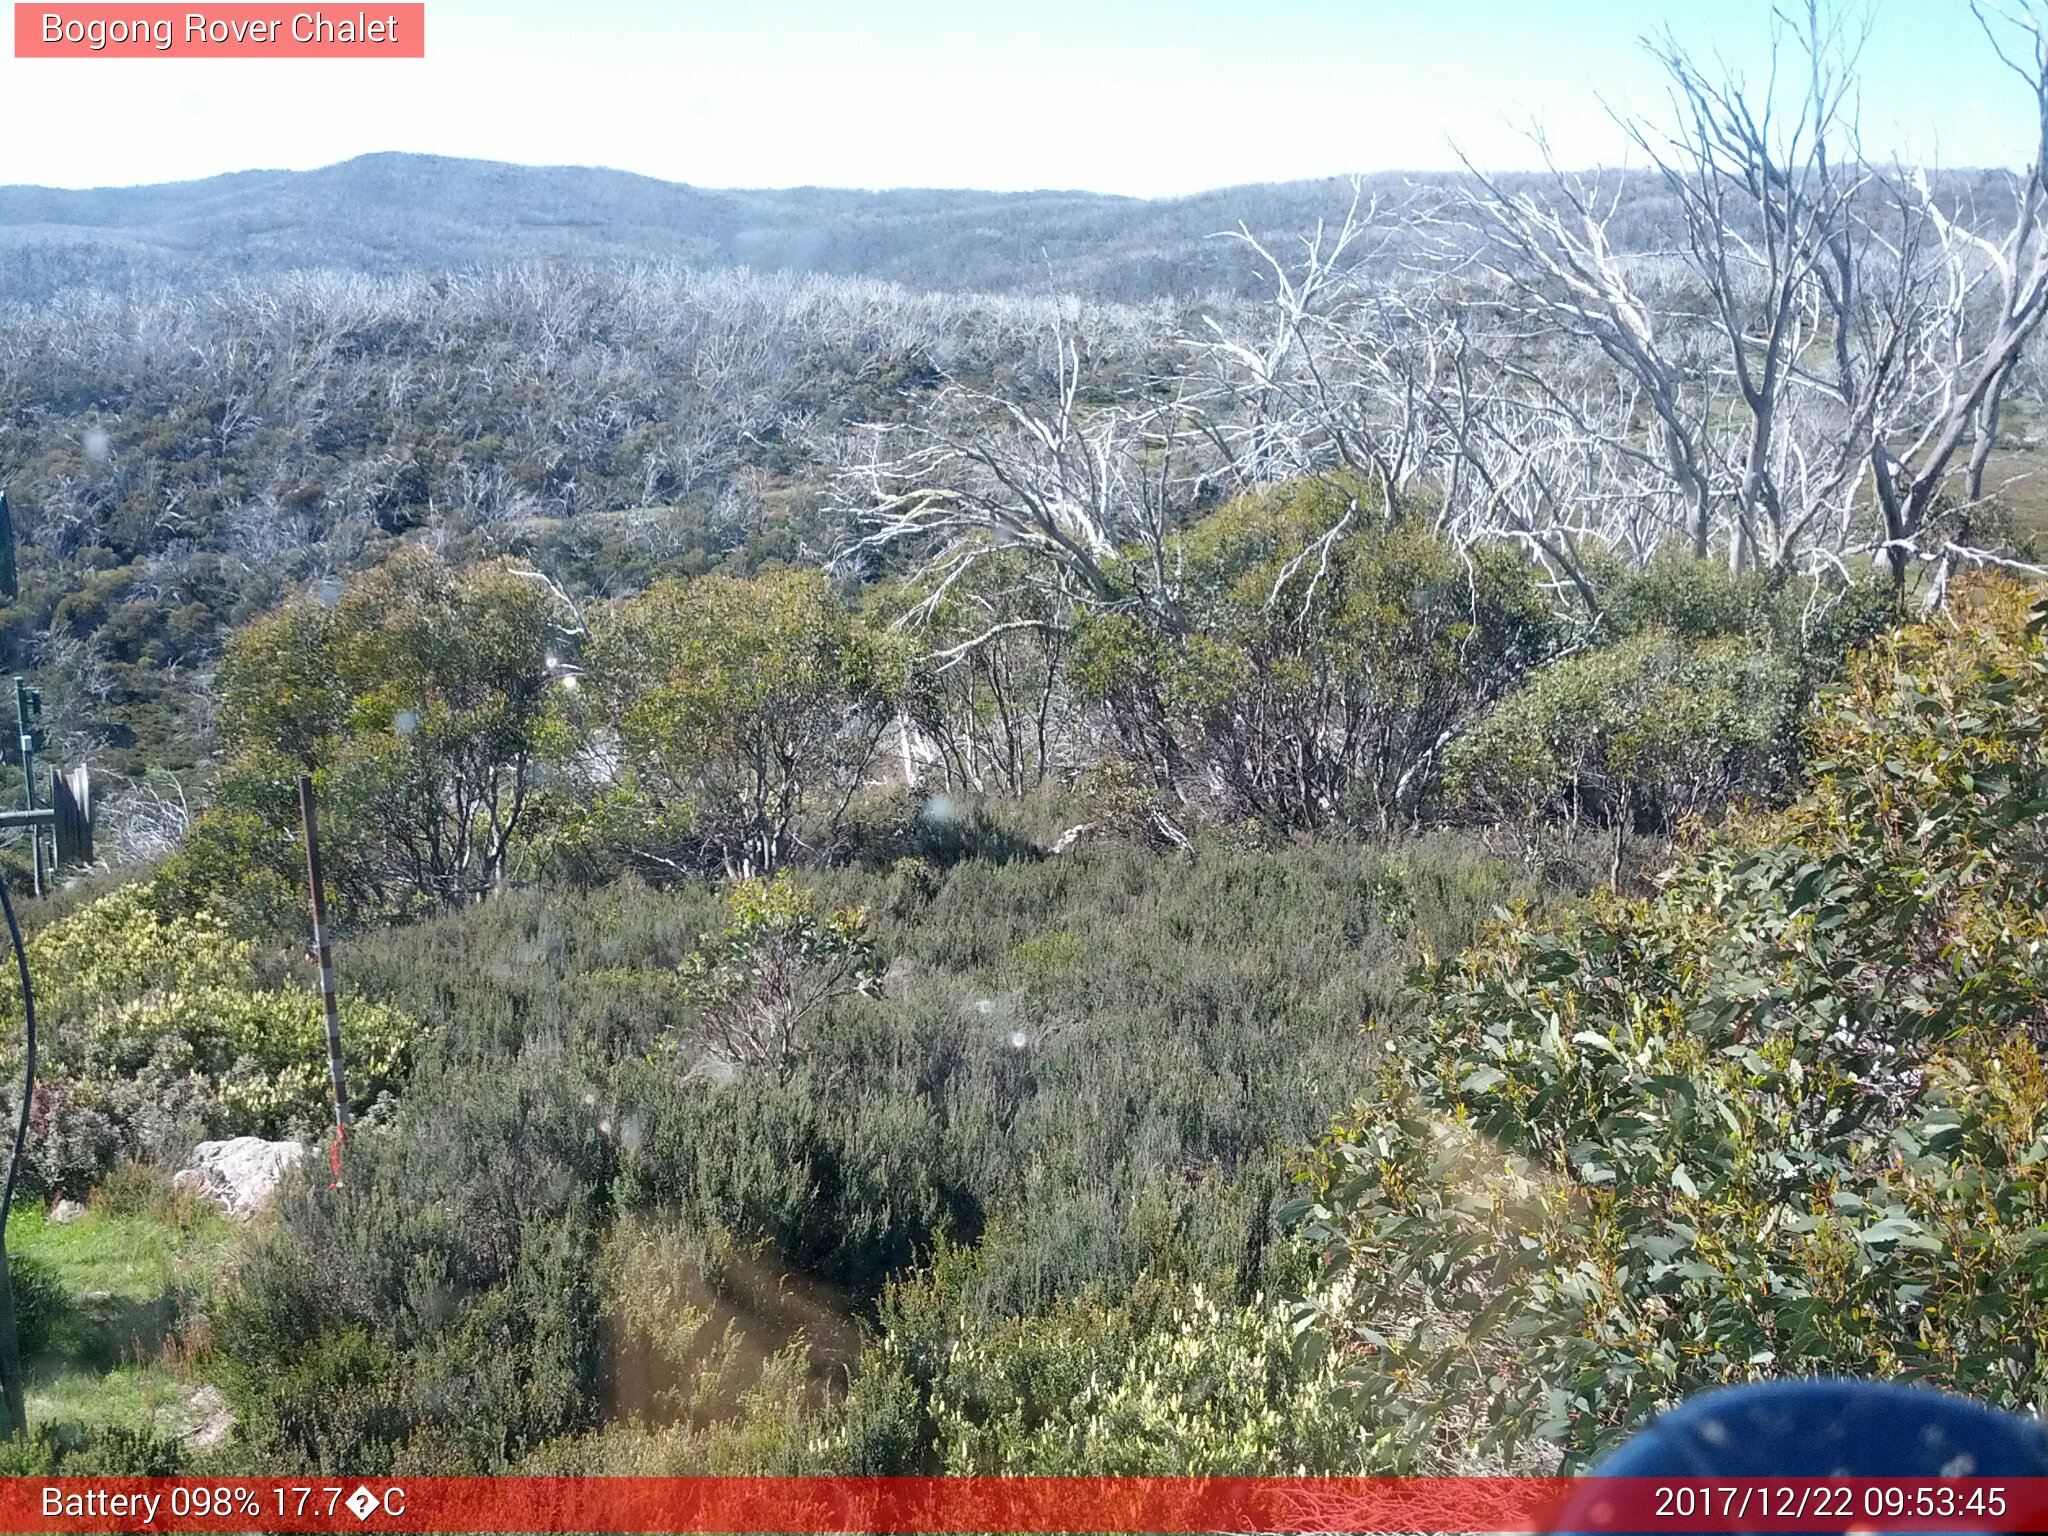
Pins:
x: 1385, y: 865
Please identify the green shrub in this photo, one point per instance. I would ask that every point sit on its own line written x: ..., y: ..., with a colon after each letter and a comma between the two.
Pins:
x: 1320, y: 655
x: 777, y: 962
x: 421, y: 703
x: 1167, y: 1381
x: 154, y: 1031
x: 133, y: 1188
x: 1642, y: 733
x: 737, y: 718
x: 39, y: 1301
x: 72, y: 1450
x: 440, y: 1312
x: 1697, y: 600
x: 1083, y: 1113
x: 1786, y: 1116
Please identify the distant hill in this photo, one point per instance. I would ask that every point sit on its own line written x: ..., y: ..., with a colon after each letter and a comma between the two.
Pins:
x: 391, y: 213
x: 388, y: 213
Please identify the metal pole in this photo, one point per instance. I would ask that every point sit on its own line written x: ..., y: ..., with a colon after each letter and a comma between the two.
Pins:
x: 28, y: 773
x: 318, y: 887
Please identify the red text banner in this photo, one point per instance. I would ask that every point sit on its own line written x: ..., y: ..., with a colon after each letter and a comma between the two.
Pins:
x: 232, y: 31
x: 949, y: 1505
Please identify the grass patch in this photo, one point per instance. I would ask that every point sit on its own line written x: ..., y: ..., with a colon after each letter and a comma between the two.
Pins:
x: 151, y: 1398
x: 117, y: 1340
x: 128, y: 1256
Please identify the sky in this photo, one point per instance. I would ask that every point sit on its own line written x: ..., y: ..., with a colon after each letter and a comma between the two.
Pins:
x: 1143, y: 97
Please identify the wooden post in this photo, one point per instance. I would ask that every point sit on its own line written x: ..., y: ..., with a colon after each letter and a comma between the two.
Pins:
x: 322, y: 947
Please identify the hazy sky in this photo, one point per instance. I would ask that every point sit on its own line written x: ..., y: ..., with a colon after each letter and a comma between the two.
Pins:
x: 1136, y: 96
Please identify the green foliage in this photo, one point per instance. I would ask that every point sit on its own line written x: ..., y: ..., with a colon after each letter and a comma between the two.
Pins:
x: 1703, y: 600
x: 1644, y: 732
x: 776, y: 963
x: 744, y: 713
x: 1081, y: 1112
x: 1689, y: 705
x: 1166, y: 1381
x: 65, y: 1450
x: 444, y: 1315
x: 155, y: 1032
x: 419, y: 699
x: 1319, y: 660
x: 1786, y: 1116
x: 993, y: 698
x: 38, y: 1301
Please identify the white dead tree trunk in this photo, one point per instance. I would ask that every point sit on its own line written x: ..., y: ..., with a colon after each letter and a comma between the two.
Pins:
x: 1080, y: 487
x: 1826, y: 342
x: 1338, y: 373
x: 1552, y: 260
x: 1989, y: 300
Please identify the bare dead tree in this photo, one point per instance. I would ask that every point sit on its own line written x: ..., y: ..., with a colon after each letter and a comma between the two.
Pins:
x: 147, y: 820
x: 1339, y: 370
x: 1826, y: 349
x: 1074, y: 483
x: 1975, y: 326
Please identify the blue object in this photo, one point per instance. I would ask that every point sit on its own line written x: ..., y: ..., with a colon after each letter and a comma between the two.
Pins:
x: 1828, y: 1428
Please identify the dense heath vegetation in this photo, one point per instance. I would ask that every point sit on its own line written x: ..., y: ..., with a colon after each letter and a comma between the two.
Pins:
x: 1389, y: 878
x: 769, y: 1114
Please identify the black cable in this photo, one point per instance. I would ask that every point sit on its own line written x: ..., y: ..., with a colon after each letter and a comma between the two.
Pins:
x: 28, y: 1083
x: 11, y: 1380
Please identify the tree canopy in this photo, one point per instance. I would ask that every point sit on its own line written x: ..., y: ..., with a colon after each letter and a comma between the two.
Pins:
x: 420, y: 700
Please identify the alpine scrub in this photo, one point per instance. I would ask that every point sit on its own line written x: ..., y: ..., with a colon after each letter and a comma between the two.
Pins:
x: 156, y: 1031
x: 1787, y: 1115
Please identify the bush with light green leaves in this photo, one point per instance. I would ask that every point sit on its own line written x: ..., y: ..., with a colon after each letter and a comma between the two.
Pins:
x: 1209, y: 1390
x: 154, y: 1032
x: 420, y: 698
x: 758, y: 984
x: 1787, y: 1116
x: 729, y: 722
x: 1170, y: 1379
x: 1319, y: 653
x: 1641, y: 733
